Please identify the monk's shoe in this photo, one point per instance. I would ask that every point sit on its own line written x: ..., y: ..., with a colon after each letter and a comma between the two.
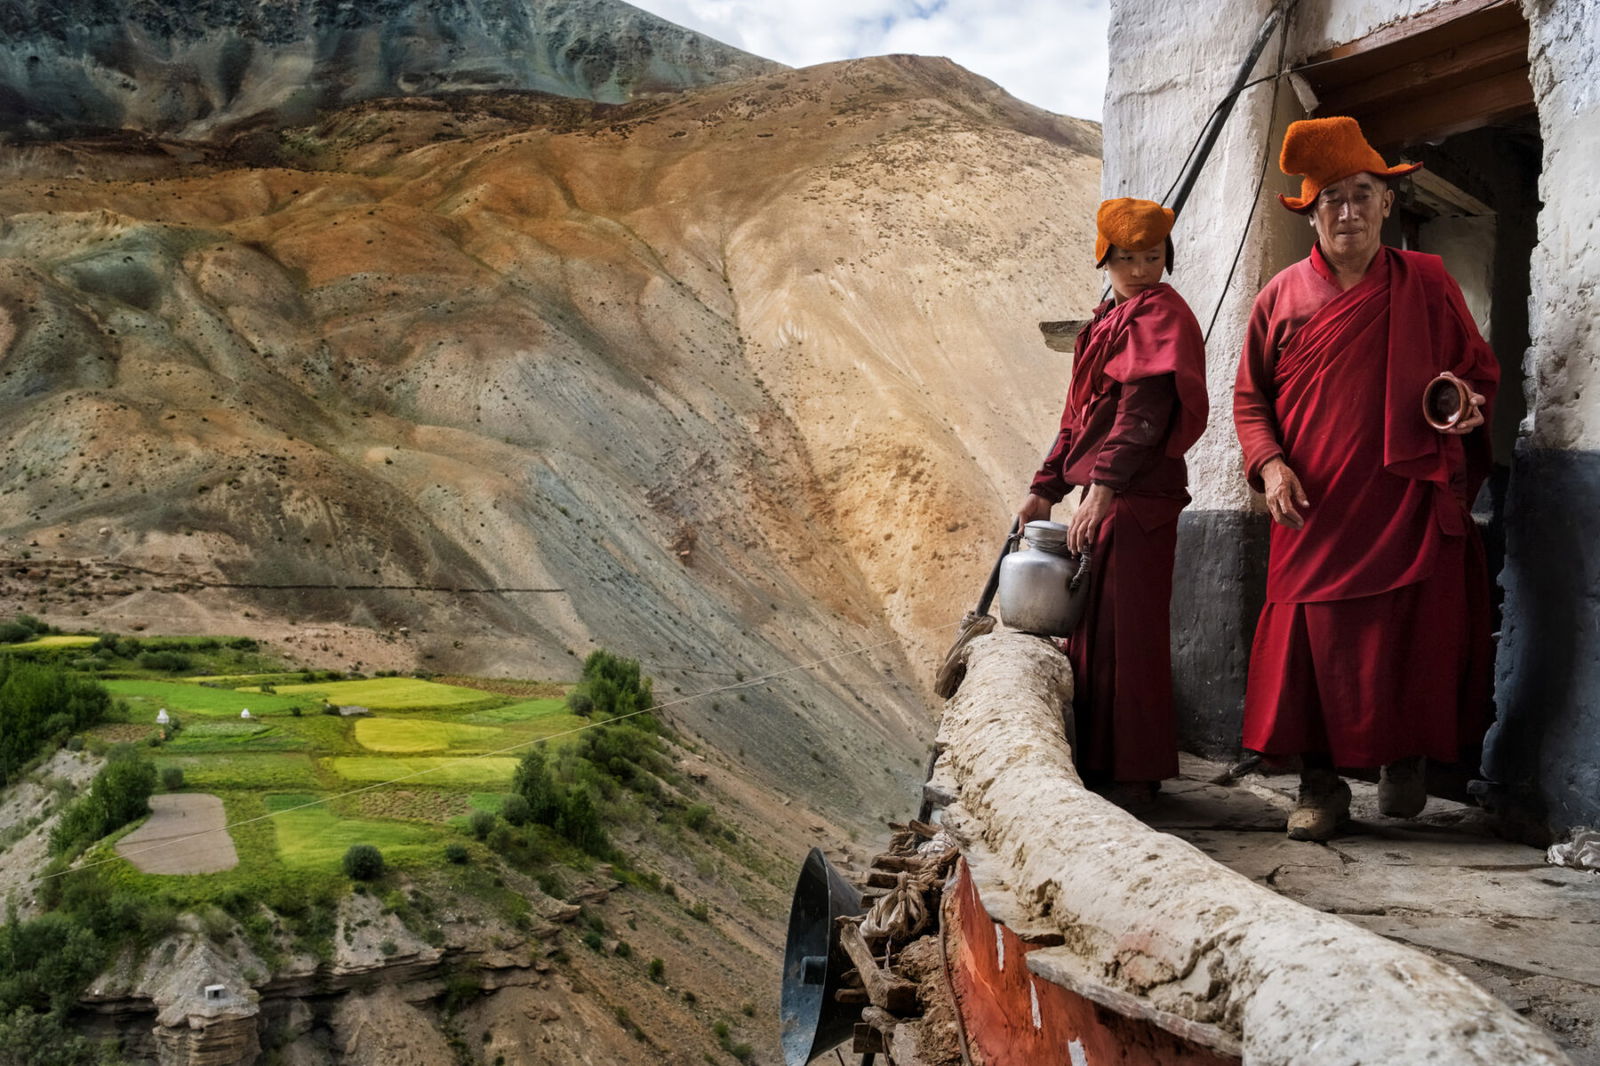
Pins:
x: 1324, y: 803
x: 1403, y: 788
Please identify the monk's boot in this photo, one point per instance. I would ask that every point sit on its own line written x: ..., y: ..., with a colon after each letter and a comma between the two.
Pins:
x: 1324, y: 803
x: 1402, y: 788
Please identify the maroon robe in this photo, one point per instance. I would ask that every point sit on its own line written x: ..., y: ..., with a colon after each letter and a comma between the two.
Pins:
x: 1136, y: 403
x: 1373, y: 643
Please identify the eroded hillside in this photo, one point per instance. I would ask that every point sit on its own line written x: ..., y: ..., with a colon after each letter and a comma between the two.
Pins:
x: 750, y: 375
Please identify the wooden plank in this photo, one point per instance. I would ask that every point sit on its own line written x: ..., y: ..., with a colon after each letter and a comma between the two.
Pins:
x: 1013, y: 1016
x: 893, y: 994
x: 1062, y: 967
x: 1434, y: 117
x: 1447, y: 23
x: 890, y: 861
x: 867, y: 1040
x: 1437, y: 72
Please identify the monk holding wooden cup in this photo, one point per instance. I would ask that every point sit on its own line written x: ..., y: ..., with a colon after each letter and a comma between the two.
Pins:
x: 1361, y: 406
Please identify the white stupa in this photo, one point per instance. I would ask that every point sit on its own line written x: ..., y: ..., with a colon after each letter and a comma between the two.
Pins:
x: 245, y: 713
x: 162, y: 717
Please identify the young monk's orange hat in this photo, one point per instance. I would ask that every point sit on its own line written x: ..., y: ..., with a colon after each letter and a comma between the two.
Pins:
x: 1326, y: 150
x: 1132, y: 224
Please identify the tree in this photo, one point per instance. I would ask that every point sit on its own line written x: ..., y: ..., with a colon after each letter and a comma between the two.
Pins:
x: 120, y: 794
x: 535, y: 784
x: 481, y: 823
x: 172, y: 778
x: 579, y: 820
x: 40, y: 704
x: 612, y: 687
x: 363, y: 862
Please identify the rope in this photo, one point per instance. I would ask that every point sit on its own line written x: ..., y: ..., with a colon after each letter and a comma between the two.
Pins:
x: 858, y: 650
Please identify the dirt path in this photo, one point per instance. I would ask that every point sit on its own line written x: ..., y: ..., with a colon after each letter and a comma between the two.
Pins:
x: 185, y: 835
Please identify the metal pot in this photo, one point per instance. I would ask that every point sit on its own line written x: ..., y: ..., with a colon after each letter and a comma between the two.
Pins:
x: 1045, y: 589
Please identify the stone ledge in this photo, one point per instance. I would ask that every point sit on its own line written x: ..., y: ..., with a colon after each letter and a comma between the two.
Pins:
x: 1146, y: 915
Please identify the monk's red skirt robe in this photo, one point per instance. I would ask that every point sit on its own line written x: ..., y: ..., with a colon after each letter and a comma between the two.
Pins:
x: 1374, y: 641
x: 1136, y: 403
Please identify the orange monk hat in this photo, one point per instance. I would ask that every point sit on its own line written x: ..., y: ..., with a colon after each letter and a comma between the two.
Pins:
x: 1326, y: 150
x: 1132, y: 224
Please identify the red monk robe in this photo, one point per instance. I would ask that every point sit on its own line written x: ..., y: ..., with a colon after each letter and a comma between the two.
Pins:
x: 1373, y: 645
x: 1136, y: 403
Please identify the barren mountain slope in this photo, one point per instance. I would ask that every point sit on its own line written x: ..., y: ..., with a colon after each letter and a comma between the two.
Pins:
x: 224, y: 67
x: 751, y: 374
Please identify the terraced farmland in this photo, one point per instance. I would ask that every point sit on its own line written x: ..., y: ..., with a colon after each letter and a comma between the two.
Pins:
x: 301, y: 785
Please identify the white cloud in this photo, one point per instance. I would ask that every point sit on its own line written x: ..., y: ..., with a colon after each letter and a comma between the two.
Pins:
x: 1051, y: 53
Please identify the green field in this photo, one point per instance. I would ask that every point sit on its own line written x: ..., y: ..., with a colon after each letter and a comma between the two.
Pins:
x: 238, y: 771
x: 318, y: 837
x: 518, y: 712
x: 232, y: 734
x: 422, y: 771
x: 145, y: 698
x: 389, y: 693
x: 405, y: 735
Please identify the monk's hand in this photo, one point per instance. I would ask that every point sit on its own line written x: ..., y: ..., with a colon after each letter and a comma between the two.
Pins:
x: 1034, y: 509
x: 1284, y: 493
x: 1085, y: 524
x: 1474, y: 416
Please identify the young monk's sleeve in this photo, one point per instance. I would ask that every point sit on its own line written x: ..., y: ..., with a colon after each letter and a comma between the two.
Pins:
x: 1048, y: 482
x: 1254, y: 416
x: 1144, y: 411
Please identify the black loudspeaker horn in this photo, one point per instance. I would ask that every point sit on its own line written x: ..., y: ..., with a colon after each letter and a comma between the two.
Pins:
x: 813, y: 961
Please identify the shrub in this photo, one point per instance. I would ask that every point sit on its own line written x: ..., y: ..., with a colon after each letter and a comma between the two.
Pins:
x: 456, y: 853
x: 363, y: 862
x: 516, y: 809
x: 502, y: 840
x: 481, y: 823
x: 658, y: 970
x: 697, y: 816
x: 172, y: 778
x: 592, y: 940
x: 171, y: 662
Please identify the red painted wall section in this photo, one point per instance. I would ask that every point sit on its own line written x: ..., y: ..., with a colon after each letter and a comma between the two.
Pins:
x: 1012, y: 1018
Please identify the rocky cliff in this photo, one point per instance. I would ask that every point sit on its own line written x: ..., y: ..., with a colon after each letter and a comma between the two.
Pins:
x: 731, y: 381
x: 211, y: 68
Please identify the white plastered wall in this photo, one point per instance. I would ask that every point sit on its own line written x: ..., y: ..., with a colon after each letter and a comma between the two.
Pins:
x: 1564, y: 360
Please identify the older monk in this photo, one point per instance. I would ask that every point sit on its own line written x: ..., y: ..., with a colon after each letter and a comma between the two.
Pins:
x: 1373, y: 647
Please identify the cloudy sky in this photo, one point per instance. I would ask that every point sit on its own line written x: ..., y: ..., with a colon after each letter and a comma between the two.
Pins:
x: 1048, y: 52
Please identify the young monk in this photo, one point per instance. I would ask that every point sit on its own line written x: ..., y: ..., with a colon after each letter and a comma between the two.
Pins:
x: 1373, y: 648
x: 1137, y: 401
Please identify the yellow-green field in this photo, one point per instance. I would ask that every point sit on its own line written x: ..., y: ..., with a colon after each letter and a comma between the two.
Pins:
x: 425, y: 770
x: 57, y: 641
x: 389, y: 693
x: 308, y: 833
x: 403, y: 735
